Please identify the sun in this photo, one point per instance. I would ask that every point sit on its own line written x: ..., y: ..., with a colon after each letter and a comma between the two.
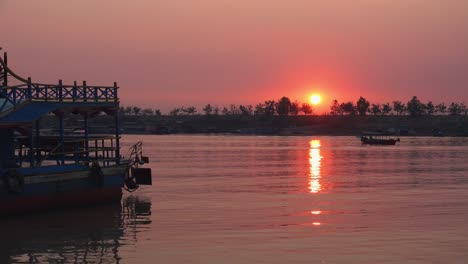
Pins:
x: 315, y: 99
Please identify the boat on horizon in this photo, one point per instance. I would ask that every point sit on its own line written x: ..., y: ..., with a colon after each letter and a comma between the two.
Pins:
x: 41, y: 171
x: 378, y: 138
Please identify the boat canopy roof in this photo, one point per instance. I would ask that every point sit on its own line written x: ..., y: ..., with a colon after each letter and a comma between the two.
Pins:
x: 35, y: 110
x: 27, y: 101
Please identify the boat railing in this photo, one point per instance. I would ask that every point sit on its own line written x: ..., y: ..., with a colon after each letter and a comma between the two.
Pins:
x: 100, y: 149
x: 36, y: 148
x: 26, y: 90
x: 14, y: 95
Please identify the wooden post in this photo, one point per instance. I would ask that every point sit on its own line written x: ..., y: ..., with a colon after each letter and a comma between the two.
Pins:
x: 62, y: 138
x: 20, y: 155
x: 117, y: 137
x: 96, y: 151
x: 95, y: 93
x: 5, y: 72
x: 60, y: 93
x: 13, y: 91
x: 29, y: 88
x: 112, y: 149
x: 31, y: 148
x: 117, y: 126
x: 103, y: 153
x: 86, y: 130
x: 115, y: 91
x: 85, y: 92
x: 37, y: 141
x: 74, y: 91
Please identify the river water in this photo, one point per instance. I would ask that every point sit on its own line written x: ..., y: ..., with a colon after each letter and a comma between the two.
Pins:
x: 255, y: 199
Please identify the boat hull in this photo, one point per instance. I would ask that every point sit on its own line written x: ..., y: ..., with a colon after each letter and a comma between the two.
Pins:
x: 378, y: 141
x: 62, y: 190
x: 67, y: 200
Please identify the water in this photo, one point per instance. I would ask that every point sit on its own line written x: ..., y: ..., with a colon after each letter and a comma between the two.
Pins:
x: 236, y: 199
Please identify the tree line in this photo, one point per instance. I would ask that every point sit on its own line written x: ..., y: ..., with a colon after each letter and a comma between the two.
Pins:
x: 285, y: 107
x: 414, y: 107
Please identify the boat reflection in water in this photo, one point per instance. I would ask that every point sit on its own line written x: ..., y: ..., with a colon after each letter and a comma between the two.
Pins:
x: 85, y: 235
x: 315, y: 166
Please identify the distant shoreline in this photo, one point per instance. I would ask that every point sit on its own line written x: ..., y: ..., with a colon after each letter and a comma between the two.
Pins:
x: 326, y: 125
x: 297, y: 125
x: 280, y: 135
x: 284, y: 134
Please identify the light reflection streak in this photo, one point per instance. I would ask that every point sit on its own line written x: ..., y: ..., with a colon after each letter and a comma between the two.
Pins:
x: 315, y: 163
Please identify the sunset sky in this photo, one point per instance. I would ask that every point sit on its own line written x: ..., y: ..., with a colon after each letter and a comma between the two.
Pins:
x: 168, y: 53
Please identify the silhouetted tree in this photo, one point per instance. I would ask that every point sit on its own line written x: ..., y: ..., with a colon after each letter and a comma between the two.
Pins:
x: 157, y: 112
x: 269, y: 107
x: 399, y: 107
x: 375, y: 109
x: 295, y: 108
x: 362, y: 105
x: 225, y: 111
x: 250, y: 109
x: 454, y: 109
x: 348, y: 108
x: 259, y: 109
x: 148, y: 111
x: 234, y: 110
x: 175, y: 112
x: 191, y: 110
x: 430, y: 108
x: 246, y: 110
x: 307, y: 109
x: 335, y: 108
x: 386, y: 109
x: 136, y: 110
x: 415, y: 107
x: 463, y: 109
x: 441, y: 108
x: 283, y: 107
x: 216, y: 110
x: 121, y: 110
x: 208, y: 109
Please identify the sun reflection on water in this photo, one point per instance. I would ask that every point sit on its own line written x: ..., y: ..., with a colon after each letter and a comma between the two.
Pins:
x: 315, y: 163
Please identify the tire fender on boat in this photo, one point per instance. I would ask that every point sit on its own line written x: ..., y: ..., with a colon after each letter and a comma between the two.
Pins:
x: 130, y: 183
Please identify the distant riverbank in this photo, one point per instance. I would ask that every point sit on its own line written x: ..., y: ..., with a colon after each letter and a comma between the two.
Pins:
x: 292, y: 125
x: 274, y: 125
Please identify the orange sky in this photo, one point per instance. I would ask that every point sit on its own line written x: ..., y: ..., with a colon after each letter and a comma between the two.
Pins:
x: 170, y: 53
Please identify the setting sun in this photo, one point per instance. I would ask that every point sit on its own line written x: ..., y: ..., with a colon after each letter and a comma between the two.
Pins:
x: 315, y: 99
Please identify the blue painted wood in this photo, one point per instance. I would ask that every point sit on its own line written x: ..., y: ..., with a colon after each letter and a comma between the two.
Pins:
x: 51, y: 169
x: 34, y: 110
x: 65, y: 184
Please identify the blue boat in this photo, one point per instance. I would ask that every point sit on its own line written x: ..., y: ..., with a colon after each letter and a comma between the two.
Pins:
x: 61, y: 170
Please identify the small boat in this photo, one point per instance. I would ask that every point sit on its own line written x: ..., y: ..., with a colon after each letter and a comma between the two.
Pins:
x: 41, y: 171
x: 378, y: 138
